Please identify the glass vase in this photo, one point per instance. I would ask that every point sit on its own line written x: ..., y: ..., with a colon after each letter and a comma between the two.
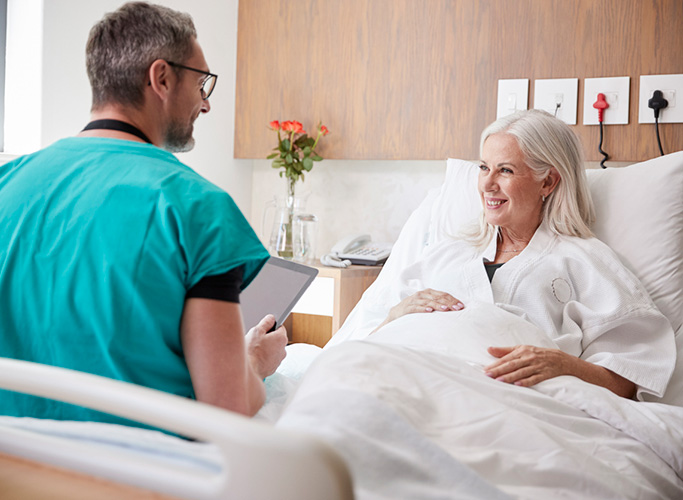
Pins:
x: 281, y: 240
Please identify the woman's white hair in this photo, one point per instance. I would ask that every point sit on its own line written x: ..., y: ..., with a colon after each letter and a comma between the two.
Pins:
x: 547, y: 142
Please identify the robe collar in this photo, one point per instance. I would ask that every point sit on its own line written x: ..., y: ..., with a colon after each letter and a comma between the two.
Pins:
x: 538, y: 243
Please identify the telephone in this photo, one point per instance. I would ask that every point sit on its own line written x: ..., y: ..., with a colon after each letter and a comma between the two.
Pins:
x: 360, y: 250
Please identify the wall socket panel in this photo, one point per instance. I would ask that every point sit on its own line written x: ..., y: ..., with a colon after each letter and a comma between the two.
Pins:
x: 672, y: 88
x: 617, y: 94
x: 563, y: 91
x: 513, y: 95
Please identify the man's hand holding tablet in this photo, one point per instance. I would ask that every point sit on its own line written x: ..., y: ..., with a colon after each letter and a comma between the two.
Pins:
x: 266, y: 348
x: 275, y: 290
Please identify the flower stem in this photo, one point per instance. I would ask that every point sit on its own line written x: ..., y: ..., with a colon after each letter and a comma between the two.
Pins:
x: 316, y: 140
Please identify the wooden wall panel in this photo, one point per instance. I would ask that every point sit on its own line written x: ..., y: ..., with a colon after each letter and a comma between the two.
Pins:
x: 417, y: 80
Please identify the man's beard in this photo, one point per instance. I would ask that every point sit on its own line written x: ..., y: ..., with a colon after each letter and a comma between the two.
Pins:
x: 178, y: 138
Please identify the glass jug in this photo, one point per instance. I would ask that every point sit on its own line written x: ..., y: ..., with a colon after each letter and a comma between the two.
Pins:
x: 304, y: 229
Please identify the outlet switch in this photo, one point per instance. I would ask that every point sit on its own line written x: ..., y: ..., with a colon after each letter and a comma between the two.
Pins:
x: 672, y: 88
x: 513, y: 95
x: 558, y: 97
x: 616, y: 92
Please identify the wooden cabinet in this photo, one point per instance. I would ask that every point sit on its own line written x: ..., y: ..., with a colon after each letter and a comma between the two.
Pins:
x: 416, y: 80
x: 349, y: 285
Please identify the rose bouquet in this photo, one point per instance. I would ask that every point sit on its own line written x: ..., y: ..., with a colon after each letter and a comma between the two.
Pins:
x: 295, y: 150
x: 294, y: 154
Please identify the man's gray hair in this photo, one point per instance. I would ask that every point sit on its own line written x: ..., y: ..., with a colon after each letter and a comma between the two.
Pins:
x: 122, y: 46
x: 547, y: 142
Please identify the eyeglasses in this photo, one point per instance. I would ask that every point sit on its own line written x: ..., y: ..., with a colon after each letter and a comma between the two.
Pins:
x: 209, y: 82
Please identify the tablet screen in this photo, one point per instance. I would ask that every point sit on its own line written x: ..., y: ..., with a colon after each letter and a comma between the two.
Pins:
x: 275, y: 290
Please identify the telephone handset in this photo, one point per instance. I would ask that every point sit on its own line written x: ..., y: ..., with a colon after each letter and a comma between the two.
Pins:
x: 359, y: 249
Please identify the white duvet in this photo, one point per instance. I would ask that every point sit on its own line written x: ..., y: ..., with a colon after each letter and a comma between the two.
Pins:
x: 413, y: 414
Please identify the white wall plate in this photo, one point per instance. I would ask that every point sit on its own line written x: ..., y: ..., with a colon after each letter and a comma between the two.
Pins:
x: 672, y: 88
x: 616, y: 92
x: 548, y: 93
x: 513, y: 95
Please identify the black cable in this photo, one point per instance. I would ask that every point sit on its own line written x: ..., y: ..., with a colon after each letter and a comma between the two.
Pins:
x: 657, y: 102
x: 659, y: 141
x: 606, y: 156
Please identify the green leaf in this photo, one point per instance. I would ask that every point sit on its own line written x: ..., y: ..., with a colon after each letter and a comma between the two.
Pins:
x: 271, y: 156
x: 315, y: 157
x: 288, y: 159
x: 307, y: 151
x: 308, y: 164
x: 286, y: 145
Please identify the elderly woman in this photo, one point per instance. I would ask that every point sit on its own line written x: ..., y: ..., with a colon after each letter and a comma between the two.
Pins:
x: 533, y: 254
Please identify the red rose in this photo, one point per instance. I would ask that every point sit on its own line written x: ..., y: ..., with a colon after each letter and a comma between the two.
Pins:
x: 287, y: 126
x: 323, y: 130
x: 298, y: 128
x: 275, y: 125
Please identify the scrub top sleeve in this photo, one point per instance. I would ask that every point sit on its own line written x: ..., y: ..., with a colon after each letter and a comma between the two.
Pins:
x: 219, y: 238
x: 225, y: 287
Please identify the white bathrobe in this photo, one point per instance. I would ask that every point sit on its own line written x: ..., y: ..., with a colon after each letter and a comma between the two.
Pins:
x: 574, y: 289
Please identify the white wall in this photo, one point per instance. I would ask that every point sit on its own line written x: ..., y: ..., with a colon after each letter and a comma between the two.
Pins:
x: 48, y: 53
x: 23, y: 75
x: 374, y: 197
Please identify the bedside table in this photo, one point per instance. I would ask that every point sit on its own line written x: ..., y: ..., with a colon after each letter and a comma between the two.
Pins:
x: 347, y: 286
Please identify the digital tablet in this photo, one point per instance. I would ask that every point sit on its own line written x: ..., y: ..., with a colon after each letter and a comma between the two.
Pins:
x: 275, y: 290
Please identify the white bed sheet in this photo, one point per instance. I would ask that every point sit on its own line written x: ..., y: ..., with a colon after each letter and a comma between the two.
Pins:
x: 413, y: 414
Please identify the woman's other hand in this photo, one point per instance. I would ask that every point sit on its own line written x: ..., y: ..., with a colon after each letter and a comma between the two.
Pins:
x: 425, y: 301
x: 527, y: 365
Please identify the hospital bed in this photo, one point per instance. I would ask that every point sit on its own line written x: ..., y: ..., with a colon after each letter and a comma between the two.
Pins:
x: 403, y: 421
x: 232, y: 457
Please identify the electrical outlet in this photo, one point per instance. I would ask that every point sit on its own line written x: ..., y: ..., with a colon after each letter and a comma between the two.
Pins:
x: 513, y: 95
x: 558, y: 97
x: 616, y: 92
x: 672, y: 88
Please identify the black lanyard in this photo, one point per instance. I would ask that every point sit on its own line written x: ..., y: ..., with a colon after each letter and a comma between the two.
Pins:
x: 117, y: 125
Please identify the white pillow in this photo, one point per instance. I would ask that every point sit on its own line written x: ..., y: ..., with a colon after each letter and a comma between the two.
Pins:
x: 639, y: 214
x: 457, y: 202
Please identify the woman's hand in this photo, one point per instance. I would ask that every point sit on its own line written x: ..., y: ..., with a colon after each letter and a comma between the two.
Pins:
x: 425, y: 301
x: 526, y: 365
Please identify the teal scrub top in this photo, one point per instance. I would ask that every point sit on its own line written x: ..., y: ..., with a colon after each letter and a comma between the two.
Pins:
x: 101, y: 240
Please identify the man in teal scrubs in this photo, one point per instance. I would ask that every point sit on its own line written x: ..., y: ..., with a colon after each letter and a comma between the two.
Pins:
x: 116, y: 258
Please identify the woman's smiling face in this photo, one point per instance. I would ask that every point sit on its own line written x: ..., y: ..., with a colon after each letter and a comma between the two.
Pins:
x: 512, y: 197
